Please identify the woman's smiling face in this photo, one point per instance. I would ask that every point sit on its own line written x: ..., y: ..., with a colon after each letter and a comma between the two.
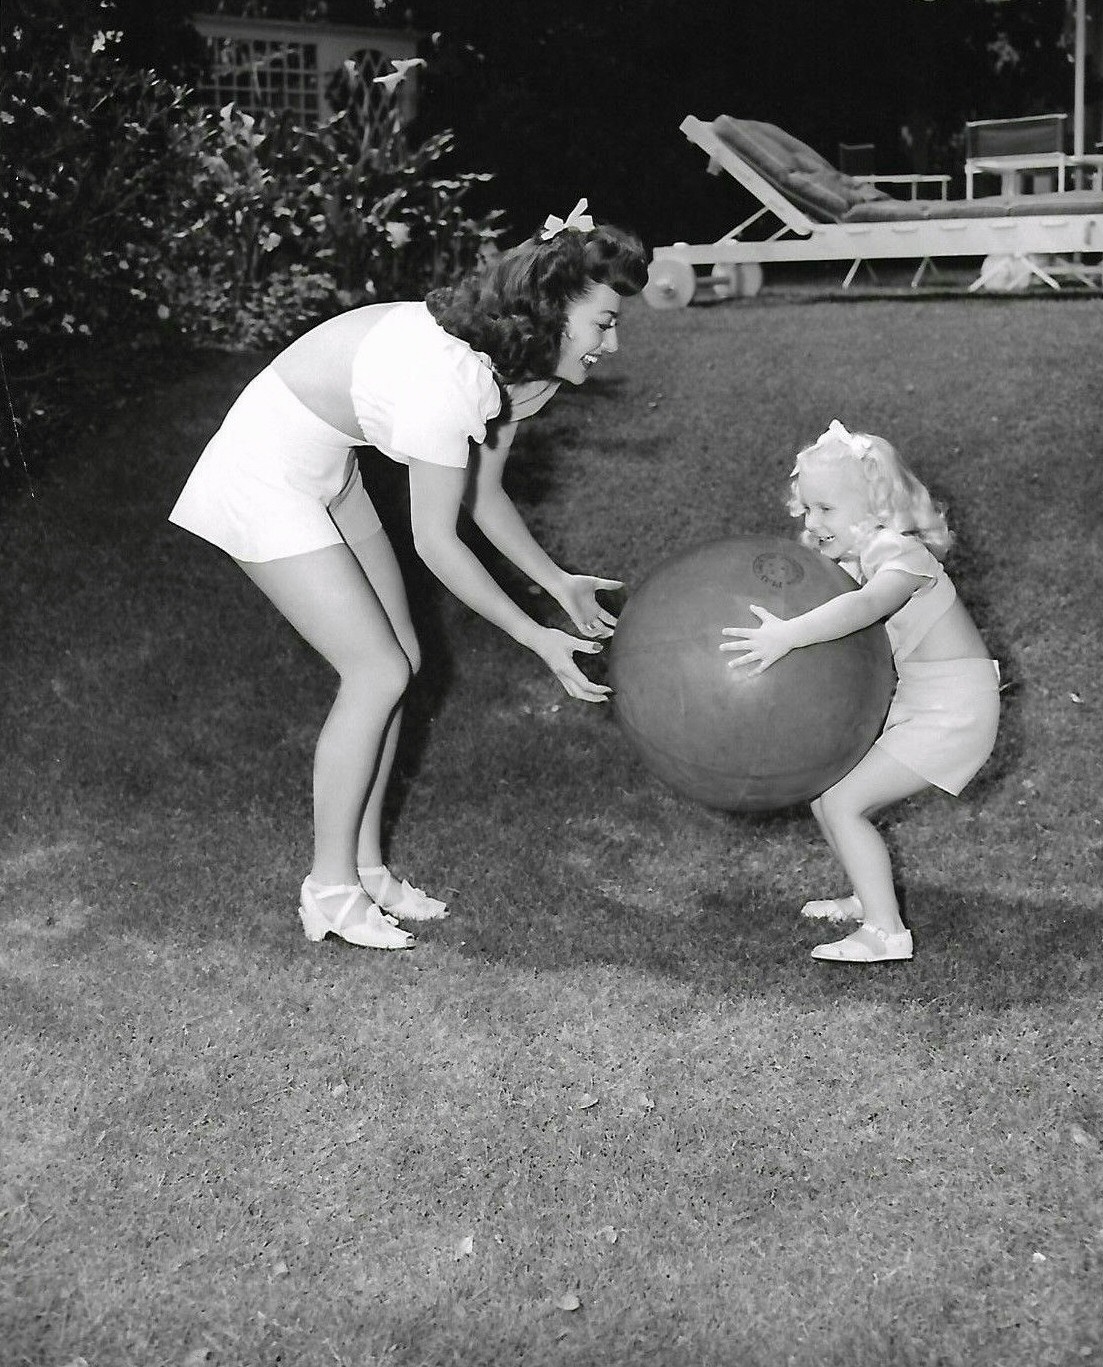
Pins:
x: 590, y: 333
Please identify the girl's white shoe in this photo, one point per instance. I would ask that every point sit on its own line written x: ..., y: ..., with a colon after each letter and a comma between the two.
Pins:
x: 345, y: 909
x: 400, y: 899
x: 868, y: 945
x: 833, y: 909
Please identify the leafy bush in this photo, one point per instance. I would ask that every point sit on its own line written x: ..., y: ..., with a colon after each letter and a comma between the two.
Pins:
x: 237, y: 268
x: 81, y: 204
x: 127, y: 214
x: 285, y: 223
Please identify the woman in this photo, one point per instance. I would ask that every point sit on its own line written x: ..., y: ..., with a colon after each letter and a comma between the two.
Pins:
x: 439, y: 386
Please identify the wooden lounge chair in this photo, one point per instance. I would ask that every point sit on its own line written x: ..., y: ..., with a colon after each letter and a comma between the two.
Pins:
x: 825, y: 215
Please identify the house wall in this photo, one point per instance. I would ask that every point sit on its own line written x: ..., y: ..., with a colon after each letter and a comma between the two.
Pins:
x: 272, y: 64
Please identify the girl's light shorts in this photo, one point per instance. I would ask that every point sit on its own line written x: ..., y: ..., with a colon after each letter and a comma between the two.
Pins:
x: 943, y: 719
x: 275, y: 480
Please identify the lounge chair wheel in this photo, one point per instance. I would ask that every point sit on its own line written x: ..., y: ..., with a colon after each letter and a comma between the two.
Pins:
x: 671, y: 284
x: 750, y: 279
x: 736, y: 280
x: 726, y: 277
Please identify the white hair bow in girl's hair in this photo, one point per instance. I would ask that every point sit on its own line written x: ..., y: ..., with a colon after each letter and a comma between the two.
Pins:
x: 856, y: 444
x: 577, y: 220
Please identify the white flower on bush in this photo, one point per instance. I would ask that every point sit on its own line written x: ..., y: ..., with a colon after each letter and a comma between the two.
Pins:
x: 398, y: 234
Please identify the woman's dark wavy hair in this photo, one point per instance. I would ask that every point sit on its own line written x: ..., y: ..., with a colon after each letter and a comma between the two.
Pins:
x: 515, y: 308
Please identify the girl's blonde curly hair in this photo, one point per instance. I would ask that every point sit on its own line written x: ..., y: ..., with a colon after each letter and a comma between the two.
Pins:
x: 898, y: 500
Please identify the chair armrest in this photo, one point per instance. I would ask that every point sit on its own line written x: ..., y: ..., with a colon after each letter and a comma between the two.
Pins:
x: 913, y: 179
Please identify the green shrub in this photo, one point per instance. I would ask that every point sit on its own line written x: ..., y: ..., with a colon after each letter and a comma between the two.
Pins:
x: 240, y: 266
x: 91, y: 162
x: 284, y: 224
x: 395, y: 225
x: 127, y: 214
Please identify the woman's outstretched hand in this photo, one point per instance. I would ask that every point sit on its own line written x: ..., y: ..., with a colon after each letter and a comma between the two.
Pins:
x: 557, y: 649
x: 760, y: 646
x: 578, y: 600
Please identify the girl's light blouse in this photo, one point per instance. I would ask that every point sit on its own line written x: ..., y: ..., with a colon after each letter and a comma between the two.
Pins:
x: 889, y: 550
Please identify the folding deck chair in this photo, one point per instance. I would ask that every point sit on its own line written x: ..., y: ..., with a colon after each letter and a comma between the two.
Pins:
x: 825, y: 215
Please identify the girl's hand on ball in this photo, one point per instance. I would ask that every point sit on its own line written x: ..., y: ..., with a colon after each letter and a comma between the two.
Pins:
x: 557, y: 649
x: 578, y: 599
x: 761, y: 646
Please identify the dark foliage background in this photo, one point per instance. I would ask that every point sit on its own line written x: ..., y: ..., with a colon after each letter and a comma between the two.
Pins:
x: 552, y: 100
x: 562, y: 98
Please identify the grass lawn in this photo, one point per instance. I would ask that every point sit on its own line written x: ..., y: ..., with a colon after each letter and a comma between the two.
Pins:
x: 610, y: 1112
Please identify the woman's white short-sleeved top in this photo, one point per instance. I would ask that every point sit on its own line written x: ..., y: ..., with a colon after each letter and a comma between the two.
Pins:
x: 277, y: 480
x: 420, y: 393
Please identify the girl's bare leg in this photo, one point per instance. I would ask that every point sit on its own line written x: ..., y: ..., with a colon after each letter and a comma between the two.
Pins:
x: 327, y: 598
x: 846, y: 908
x: 817, y: 812
x: 844, y: 813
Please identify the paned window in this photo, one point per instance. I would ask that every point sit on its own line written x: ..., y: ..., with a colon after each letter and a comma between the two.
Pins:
x: 264, y: 65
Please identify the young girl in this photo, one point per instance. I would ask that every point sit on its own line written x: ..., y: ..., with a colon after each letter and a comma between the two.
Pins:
x: 863, y: 508
x: 440, y: 387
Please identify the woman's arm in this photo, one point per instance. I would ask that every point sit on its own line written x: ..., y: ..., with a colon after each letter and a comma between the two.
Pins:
x: 436, y: 493
x: 496, y: 516
x: 764, y: 645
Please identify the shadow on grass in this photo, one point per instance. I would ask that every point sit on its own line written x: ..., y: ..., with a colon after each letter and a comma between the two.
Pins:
x: 972, y: 953
x: 976, y: 958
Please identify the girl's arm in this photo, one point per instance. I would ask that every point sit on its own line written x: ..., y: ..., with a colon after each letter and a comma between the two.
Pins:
x: 764, y: 645
x: 497, y: 518
x: 436, y: 493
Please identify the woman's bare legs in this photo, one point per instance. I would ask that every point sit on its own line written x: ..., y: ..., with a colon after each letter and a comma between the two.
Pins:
x: 329, y: 600
x: 377, y: 559
x: 379, y: 563
x: 843, y: 813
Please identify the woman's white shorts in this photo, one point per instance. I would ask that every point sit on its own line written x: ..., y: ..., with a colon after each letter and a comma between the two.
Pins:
x: 275, y: 480
x: 943, y: 719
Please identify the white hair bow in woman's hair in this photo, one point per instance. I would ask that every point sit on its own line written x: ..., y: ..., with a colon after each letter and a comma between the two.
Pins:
x: 577, y: 220
x: 856, y: 444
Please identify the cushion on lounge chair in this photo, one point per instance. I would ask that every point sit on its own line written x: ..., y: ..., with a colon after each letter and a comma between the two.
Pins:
x: 795, y: 169
x: 990, y: 206
x: 811, y: 183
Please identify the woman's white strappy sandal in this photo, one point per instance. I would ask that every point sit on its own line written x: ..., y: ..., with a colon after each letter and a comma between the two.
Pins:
x: 345, y: 909
x: 400, y: 899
